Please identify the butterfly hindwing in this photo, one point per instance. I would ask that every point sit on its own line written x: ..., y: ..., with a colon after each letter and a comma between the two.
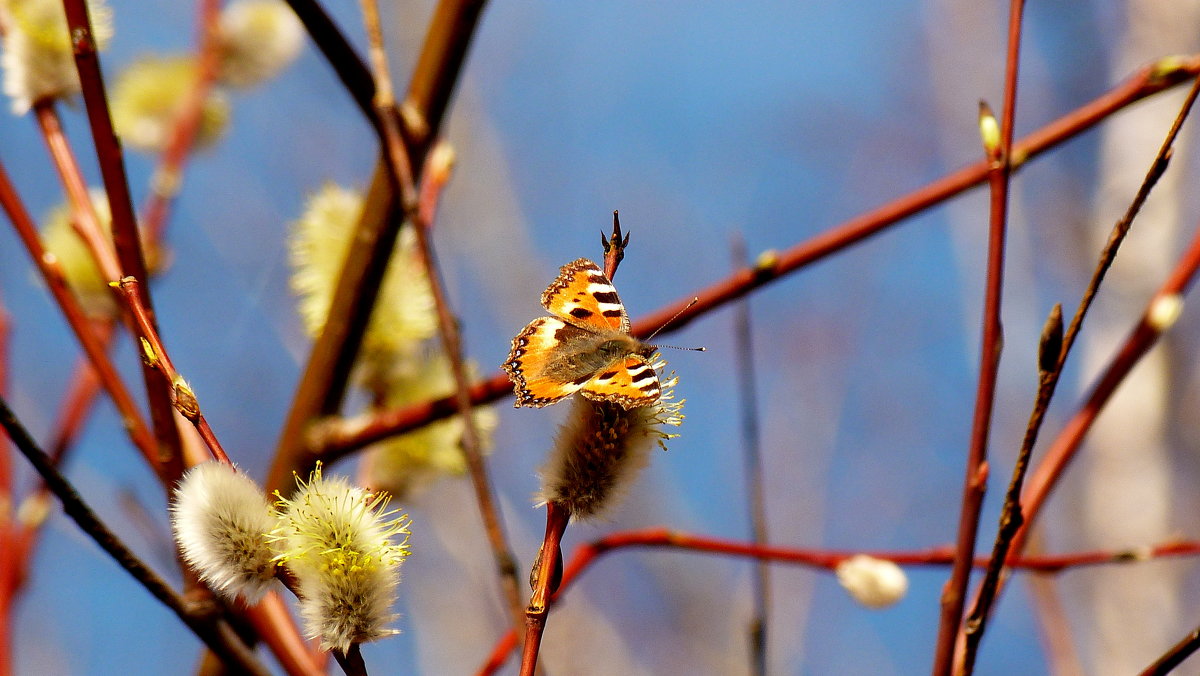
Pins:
x: 583, y: 295
x: 530, y: 362
x: 630, y: 383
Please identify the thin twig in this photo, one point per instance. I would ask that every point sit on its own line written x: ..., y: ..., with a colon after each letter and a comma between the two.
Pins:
x: 83, y: 212
x: 998, y: 150
x: 6, y: 478
x: 1054, y: 628
x: 167, y: 178
x: 1055, y: 347
x: 124, y: 224
x: 155, y: 354
x: 398, y: 162
x: 1175, y: 656
x: 1144, y: 335
x: 826, y: 560
x: 207, y: 625
x: 334, y: 440
x: 405, y: 186
x: 326, y: 374
x: 12, y: 559
x: 752, y: 468
x: 51, y: 271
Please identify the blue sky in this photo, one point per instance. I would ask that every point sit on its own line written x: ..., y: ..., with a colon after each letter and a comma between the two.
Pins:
x: 773, y: 120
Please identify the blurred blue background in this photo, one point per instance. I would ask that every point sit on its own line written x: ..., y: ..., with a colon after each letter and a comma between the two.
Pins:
x: 697, y: 121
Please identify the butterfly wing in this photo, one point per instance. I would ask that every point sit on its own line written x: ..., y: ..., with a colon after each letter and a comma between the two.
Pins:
x: 631, y: 383
x: 582, y: 295
x: 554, y: 357
x: 531, y: 362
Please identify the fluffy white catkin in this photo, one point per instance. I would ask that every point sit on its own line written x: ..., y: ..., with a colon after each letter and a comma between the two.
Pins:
x: 221, y: 521
x: 338, y: 542
x: 37, y: 60
x: 875, y: 583
x: 259, y: 38
x: 602, y: 447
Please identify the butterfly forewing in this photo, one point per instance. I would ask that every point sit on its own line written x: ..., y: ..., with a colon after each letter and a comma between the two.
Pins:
x: 583, y: 296
x: 530, y: 363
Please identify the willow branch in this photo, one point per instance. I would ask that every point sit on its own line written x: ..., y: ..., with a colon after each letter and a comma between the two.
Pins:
x: 334, y: 440
x: 214, y: 631
x: 752, y: 468
x: 1055, y: 347
x: 6, y: 477
x: 998, y: 149
x: 51, y: 272
x: 155, y: 355
x: 185, y: 128
x: 336, y: 49
x: 1144, y: 335
x: 406, y: 187
x: 351, y: 661
x: 824, y: 560
x: 1175, y: 656
x: 124, y: 224
x: 12, y: 559
x: 326, y: 374
x: 546, y: 578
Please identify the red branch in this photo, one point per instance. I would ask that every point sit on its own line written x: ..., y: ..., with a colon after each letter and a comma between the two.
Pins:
x: 52, y: 274
x: 187, y: 125
x: 546, y: 580
x: 1063, y: 449
x: 125, y: 238
x: 333, y: 440
x: 155, y: 354
x: 827, y: 560
x: 998, y: 153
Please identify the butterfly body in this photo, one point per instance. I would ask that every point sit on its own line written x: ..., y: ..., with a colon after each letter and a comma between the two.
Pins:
x: 585, y: 347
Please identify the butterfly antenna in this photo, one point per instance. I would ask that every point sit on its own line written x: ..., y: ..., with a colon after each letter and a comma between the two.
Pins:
x: 674, y: 347
x: 668, y: 323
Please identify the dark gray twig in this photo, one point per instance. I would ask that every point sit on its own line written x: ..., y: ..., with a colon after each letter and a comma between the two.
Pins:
x: 208, y: 625
x: 752, y: 462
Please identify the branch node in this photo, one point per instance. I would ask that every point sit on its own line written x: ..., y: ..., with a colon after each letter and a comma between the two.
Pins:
x: 149, y: 356
x: 184, y: 399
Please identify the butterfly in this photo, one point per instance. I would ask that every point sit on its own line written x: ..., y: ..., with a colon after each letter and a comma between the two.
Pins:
x: 585, y: 347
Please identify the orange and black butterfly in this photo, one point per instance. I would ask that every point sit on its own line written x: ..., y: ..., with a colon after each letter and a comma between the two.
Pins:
x: 585, y: 347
